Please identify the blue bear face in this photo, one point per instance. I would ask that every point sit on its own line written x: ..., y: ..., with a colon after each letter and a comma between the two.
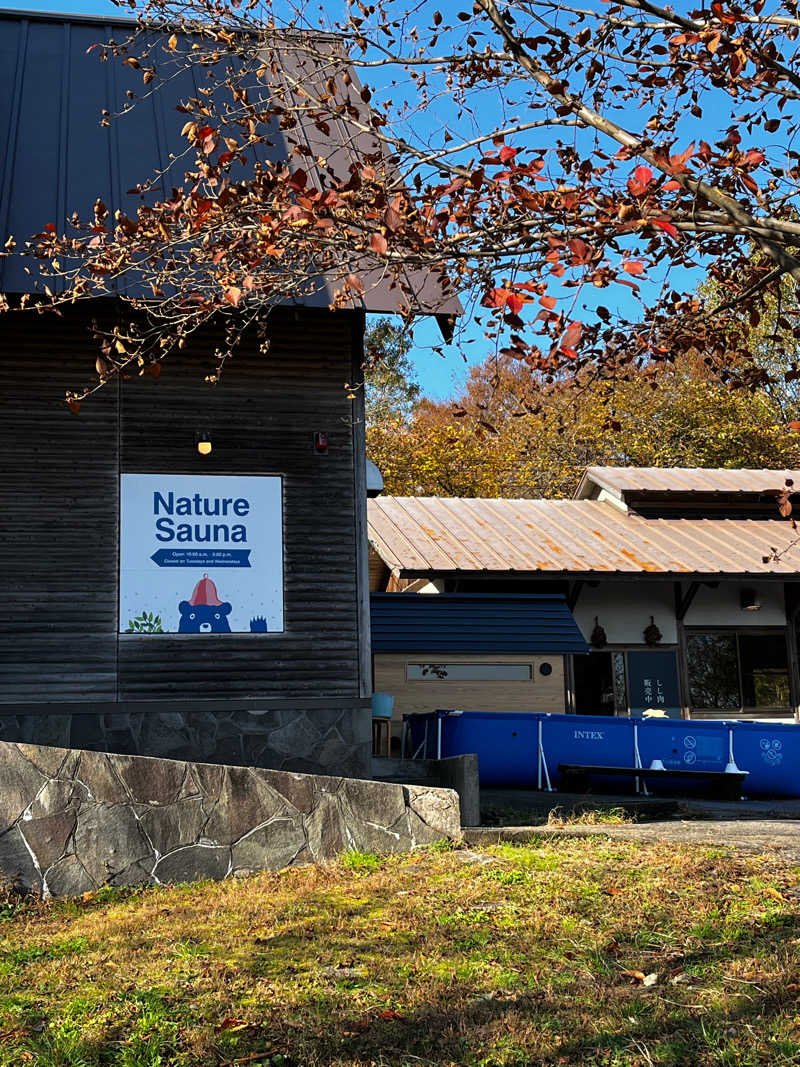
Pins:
x: 203, y: 618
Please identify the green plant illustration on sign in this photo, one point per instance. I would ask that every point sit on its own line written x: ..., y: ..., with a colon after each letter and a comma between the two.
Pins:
x: 146, y: 623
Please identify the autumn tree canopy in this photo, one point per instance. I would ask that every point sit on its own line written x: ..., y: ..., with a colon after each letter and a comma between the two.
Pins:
x: 551, y: 162
x: 483, y: 445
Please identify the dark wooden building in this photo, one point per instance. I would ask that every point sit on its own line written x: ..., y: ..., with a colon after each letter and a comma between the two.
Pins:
x: 293, y: 697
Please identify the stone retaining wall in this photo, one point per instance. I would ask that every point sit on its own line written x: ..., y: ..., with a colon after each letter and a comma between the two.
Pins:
x: 313, y: 740
x: 71, y: 821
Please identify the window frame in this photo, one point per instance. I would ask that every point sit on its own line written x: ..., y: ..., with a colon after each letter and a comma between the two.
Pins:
x: 737, y: 631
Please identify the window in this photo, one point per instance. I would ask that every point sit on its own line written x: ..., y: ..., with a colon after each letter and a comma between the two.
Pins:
x: 730, y: 670
x: 469, y: 672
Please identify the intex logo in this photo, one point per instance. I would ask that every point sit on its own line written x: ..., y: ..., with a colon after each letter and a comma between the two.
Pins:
x: 588, y: 735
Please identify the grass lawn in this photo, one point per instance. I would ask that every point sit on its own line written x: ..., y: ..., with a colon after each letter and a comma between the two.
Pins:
x: 563, y: 952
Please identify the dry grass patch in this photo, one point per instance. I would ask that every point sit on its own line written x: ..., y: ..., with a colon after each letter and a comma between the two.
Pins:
x: 563, y: 951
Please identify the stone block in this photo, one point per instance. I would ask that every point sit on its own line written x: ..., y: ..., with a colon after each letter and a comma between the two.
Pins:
x: 96, y: 771
x: 192, y: 863
x: 296, y: 789
x: 379, y: 802
x: 48, y: 836
x: 296, y: 737
x: 174, y: 825
x: 270, y: 847
x: 68, y: 878
x: 16, y: 862
x: 325, y: 830
x: 437, y: 807
x: 108, y: 838
x: 245, y: 800
x: 151, y: 781
x: 20, y: 781
x: 47, y: 760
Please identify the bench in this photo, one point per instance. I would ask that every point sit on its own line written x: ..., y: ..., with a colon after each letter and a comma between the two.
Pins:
x: 576, y: 777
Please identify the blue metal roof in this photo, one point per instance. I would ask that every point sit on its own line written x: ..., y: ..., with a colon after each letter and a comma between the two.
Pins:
x: 502, y: 624
x: 56, y: 158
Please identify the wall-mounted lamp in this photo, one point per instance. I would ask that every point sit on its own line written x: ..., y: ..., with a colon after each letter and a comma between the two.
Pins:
x: 321, y: 443
x: 748, y: 600
x: 203, y: 444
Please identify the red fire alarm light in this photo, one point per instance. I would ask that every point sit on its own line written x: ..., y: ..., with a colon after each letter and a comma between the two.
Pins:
x: 320, y: 443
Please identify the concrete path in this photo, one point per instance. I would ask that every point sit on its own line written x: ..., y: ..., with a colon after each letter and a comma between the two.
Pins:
x: 778, y: 836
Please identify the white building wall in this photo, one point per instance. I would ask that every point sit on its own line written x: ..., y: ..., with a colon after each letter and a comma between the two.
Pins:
x: 722, y: 607
x: 623, y: 609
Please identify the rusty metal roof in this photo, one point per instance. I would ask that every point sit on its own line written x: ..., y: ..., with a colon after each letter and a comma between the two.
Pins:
x: 621, y: 481
x: 56, y: 159
x: 419, y: 535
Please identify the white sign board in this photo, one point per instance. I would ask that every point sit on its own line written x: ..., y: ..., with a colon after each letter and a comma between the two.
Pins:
x: 200, y: 554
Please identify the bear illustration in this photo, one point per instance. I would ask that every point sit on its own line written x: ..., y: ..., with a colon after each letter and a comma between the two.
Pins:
x: 205, y: 613
x: 204, y: 618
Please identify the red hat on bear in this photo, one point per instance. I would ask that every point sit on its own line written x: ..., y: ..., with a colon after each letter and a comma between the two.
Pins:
x: 205, y: 592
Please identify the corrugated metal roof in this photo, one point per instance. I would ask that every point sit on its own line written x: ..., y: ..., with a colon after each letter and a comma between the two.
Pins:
x: 56, y: 159
x: 624, y: 480
x: 467, y: 623
x: 418, y: 535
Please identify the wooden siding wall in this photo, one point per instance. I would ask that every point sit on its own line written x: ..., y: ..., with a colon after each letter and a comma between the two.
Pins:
x: 543, y: 693
x: 59, y: 505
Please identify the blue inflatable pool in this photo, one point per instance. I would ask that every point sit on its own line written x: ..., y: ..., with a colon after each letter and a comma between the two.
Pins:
x: 525, y: 749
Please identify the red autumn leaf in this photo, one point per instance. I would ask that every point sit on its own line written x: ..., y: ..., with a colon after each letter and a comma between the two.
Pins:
x: 514, y: 303
x: 506, y: 153
x: 203, y: 132
x: 548, y: 302
x: 572, y: 335
x: 50, y: 227
x: 389, y: 1013
x: 298, y: 181
x: 393, y: 219
x: 633, y: 266
x: 355, y: 283
x: 74, y: 405
x: 669, y: 186
x: 581, y: 252
x: 496, y: 298
x: 794, y: 425
x: 754, y: 158
x: 233, y: 295
x: 377, y: 243
x: 666, y: 226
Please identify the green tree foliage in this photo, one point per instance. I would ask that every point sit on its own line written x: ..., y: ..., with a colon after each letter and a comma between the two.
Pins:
x: 392, y: 393
x: 503, y: 438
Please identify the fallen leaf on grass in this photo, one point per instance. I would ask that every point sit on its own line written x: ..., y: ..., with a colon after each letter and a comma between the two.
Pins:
x: 389, y: 1013
x: 233, y: 1024
x: 640, y: 978
x: 775, y: 894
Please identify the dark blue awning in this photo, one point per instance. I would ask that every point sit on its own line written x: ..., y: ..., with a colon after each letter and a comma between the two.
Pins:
x: 483, y: 623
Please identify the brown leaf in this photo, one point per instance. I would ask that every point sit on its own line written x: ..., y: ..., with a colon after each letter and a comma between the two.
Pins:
x: 377, y: 243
